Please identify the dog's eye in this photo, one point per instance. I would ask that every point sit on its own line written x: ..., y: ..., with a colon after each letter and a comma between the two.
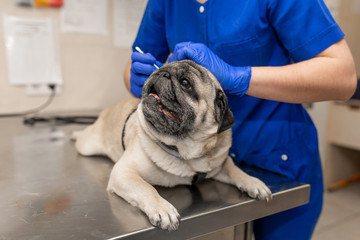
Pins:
x: 185, y: 83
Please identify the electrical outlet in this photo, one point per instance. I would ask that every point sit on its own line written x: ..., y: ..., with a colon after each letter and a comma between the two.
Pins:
x: 41, y: 90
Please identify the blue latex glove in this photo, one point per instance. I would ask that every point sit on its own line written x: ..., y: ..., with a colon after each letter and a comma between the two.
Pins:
x: 141, y: 69
x: 234, y: 80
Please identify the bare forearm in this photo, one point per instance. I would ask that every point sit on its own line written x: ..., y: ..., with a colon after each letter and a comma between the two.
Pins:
x: 328, y: 76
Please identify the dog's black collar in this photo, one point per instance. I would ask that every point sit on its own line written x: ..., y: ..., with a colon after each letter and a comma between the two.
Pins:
x: 173, y: 151
x: 123, y: 131
x: 170, y: 149
x: 198, y: 177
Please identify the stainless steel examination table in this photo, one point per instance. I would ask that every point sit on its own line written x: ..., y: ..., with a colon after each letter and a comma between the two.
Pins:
x: 48, y: 191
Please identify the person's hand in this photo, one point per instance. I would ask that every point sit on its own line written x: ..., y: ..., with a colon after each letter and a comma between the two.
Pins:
x: 234, y: 80
x: 141, y: 69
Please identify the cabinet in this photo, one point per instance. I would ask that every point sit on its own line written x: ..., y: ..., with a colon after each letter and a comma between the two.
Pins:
x: 342, y: 157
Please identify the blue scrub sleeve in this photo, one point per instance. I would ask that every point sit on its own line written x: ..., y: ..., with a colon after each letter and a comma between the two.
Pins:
x: 304, y: 27
x: 151, y: 37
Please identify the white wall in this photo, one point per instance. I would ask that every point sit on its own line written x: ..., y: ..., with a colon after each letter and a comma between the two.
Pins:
x: 92, y: 68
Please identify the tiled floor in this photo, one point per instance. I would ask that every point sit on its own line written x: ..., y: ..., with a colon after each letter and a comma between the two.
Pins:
x: 340, y: 218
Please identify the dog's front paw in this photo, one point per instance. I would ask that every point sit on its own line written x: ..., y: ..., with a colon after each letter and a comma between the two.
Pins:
x: 163, y: 215
x: 256, y: 189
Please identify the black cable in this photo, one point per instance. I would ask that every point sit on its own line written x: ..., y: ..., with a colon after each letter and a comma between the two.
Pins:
x: 35, y: 110
x: 58, y: 120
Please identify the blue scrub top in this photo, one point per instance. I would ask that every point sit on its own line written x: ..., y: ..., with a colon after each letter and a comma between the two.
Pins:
x: 273, y: 135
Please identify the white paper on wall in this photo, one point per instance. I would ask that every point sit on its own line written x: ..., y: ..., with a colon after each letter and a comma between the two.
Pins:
x: 356, y: 6
x: 127, y: 18
x: 84, y: 16
x: 32, y: 53
x: 333, y: 6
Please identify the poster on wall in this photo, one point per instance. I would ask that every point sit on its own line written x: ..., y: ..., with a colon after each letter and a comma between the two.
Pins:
x: 127, y: 17
x: 356, y: 6
x: 79, y: 16
x: 31, y: 49
x: 333, y: 6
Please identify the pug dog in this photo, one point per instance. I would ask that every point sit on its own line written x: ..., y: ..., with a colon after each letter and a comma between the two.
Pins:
x: 179, y: 133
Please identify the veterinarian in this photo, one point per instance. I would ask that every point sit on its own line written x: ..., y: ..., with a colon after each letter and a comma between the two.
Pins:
x: 269, y: 56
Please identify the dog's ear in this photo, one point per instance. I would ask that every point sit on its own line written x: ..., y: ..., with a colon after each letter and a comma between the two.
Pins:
x: 223, y: 115
x: 227, y: 122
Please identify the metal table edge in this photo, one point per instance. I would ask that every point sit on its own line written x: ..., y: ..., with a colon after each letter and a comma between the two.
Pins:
x: 232, y: 215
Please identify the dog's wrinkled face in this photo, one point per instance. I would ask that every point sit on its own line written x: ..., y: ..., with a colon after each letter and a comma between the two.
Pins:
x: 182, y: 95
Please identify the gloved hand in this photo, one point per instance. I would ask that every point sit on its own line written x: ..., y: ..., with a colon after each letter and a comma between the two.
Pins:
x: 141, y: 69
x: 234, y: 80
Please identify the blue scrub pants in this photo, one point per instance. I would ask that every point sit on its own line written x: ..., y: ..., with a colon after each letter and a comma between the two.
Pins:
x: 297, y: 223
